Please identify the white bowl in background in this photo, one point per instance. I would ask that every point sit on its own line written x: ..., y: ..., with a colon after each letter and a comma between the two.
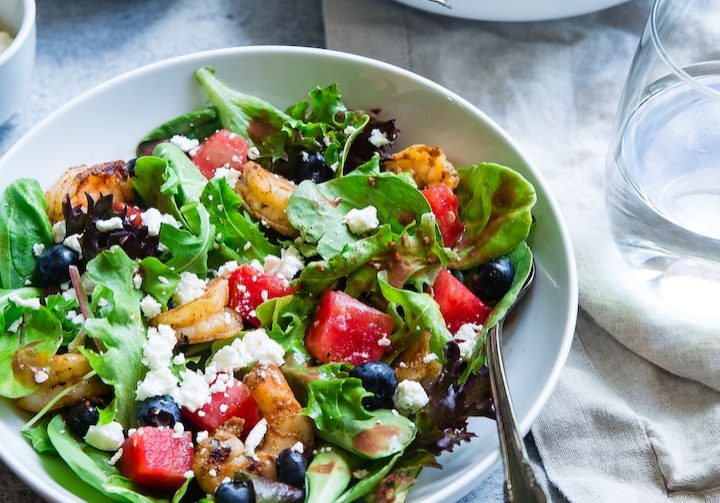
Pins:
x: 16, y: 62
x: 513, y: 10
x: 537, y: 341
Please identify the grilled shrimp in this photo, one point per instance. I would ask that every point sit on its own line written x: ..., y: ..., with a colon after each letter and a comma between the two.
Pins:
x: 286, y: 424
x: 206, y: 318
x: 266, y: 196
x: 222, y: 454
x: 96, y: 181
x: 411, y: 363
x: 427, y: 165
x: 65, y: 370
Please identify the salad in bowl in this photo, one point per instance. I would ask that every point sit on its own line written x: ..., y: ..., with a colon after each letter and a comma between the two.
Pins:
x: 263, y: 305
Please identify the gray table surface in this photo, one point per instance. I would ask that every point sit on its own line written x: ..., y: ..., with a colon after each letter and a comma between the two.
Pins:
x: 82, y: 43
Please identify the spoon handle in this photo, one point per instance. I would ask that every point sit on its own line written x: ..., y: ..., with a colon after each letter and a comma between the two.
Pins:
x: 520, y: 483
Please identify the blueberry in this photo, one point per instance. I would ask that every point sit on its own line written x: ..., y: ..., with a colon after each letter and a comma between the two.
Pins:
x: 493, y: 279
x: 311, y: 166
x: 290, y: 466
x: 81, y: 416
x: 158, y: 411
x: 130, y: 165
x: 235, y: 491
x: 53, y: 266
x: 379, y: 379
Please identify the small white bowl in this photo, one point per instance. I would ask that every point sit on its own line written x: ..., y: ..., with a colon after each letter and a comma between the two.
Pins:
x: 16, y: 62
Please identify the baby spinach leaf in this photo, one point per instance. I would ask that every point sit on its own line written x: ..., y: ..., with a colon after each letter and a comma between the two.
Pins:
x: 189, y: 247
x: 197, y: 125
x: 23, y: 223
x: 38, y: 437
x: 286, y: 320
x: 235, y: 227
x: 92, y: 467
x: 317, y: 210
x: 335, y: 406
x: 183, y: 175
x: 421, y: 314
x: 120, y: 330
x: 160, y: 289
x: 494, y: 203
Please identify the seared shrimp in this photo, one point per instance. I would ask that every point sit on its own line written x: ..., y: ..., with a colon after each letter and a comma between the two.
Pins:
x: 220, y: 455
x: 427, y: 165
x: 65, y: 370
x: 286, y: 424
x: 204, y: 319
x: 96, y: 181
x: 412, y: 364
x: 266, y: 196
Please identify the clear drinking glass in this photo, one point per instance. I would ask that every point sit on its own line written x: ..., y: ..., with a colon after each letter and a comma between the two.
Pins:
x: 663, y: 168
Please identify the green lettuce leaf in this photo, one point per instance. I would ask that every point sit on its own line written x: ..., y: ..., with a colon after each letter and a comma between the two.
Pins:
x: 151, y: 185
x: 152, y: 270
x: 234, y: 226
x: 38, y: 437
x: 189, y: 248
x: 120, y: 330
x: 23, y: 223
x: 327, y: 476
x: 376, y: 474
x: 197, y: 125
x: 183, y: 176
x: 494, y: 203
x: 60, y: 307
x: 286, y: 320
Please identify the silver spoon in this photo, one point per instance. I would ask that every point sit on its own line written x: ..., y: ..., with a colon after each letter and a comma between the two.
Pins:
x: 521, y: 486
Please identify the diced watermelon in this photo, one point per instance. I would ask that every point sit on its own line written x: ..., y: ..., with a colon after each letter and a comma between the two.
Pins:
x: 250, y: 287
x: 458, y: 304
x: 157, y: 457
x: 222, y: 149
x: 346, y: 330
x: 232, y: 399
x: 132, y: 215
x: 444, y: 204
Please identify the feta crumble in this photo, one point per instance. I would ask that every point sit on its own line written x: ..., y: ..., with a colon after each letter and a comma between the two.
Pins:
x: 227, y: 268
x: 111, y: 224
x: 194, y: 391
x: 41, y: 376
x: 466, y: 337
x: 189, y: 288
x: 153, y: 220
x: 115, y: 457
x: 31, y: 303
x: 73, y: 242
x: 156, y: 382
x: 137, y: 281
x: 410, y: 397
x: 255, y: 437
x: 253, y: 153
x: 349, y: 130
x: 378, y: 138
x: 361, y: 221
x: 107, y: 437
x: 38, y: 249
x: 158, y: 348
x: 254, y: 347
x: 229, y: 174
x: 287, y: 265
x: 201, y: 435
x: 15, y: 326
x: 150, y: 307
x: 184, y: 143
x: 59, y: 229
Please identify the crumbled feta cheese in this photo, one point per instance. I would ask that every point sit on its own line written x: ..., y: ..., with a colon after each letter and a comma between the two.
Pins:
x: 232, y: 357
x: 69, y: 295
x: 115, y: 457
x: 334, y: 166
x: 41, y: 376
x: 327, y: 140
x: 156, y: 383
x: 73, y: 242
x: 184, y: 143
x: 378, y: 138
x: 59, y: 229
x: 466, y: 337
x: 287, y: 265
x: 253, y: 153
x: 102, y: 302
x: 31, y: 303
x: 153, y: 220
x: 224, y: 408
x: 385, y: 341
x: 349, y: 130
x: 430, y: 357
x: 361, y: 221
x: 107, y: 437
x: 15, y: 326
x: 75, y: 317
x: 190, y: 287
x: 137, y: 281
x: 410, y: 397
x: 229, y: 174
x: 201, y: 435
x: 212, y: 472
x: 194, y: 391
x: 189, y: 474
x: 255, y: 437
x: 247, y: 246
x: 158, y: 348
x: 150, y: 307
x: 38, y: 249
x: 254, y: 347
x: 111, y: 224
x: 227, y: 268
x: 178, y: 429
x: 179, y: 359
x: 298, y: 447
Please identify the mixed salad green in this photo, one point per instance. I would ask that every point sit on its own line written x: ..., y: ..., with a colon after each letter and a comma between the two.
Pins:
x: 263, y: 305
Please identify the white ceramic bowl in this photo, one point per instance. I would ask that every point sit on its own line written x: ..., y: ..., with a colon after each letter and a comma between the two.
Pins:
x: 537, y: 341
x: 514, y: 10
x: 16, y: 62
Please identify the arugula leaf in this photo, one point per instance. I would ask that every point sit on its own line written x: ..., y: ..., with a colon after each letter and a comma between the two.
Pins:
x: 421, y: 314
x: 152, y: 270
x: 23, y: 223
x: 183, y: 173
x: 235, y: 227
x: 92, y: 466
x: 190, y: 247
x: 494, y: 203
x: 197, y: 125
x: 28, y: 349
x: 38, y: 437
x: 335, y: 406
x: 120, y: 331
x: 286, y: 320
x: 317, y: 210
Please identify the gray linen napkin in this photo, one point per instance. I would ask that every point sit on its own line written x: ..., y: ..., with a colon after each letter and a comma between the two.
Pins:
x: 636, y: 413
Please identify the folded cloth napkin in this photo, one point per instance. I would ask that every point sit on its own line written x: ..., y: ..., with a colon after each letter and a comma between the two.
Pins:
x: 636, y: 413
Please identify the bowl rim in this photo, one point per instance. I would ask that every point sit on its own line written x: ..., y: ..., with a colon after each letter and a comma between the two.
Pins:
x: 23, y: 34
x: 469, y: 480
